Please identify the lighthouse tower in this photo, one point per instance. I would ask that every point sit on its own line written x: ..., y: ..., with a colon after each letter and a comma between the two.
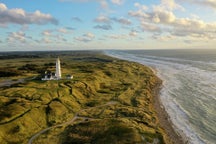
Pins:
x: 58, y: 69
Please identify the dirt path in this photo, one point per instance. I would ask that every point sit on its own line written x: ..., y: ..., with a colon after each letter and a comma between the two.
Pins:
x: 10, y: 82
x: 68, y: 122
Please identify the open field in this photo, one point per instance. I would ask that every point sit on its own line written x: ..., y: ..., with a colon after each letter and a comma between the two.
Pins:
x: 29, y: 107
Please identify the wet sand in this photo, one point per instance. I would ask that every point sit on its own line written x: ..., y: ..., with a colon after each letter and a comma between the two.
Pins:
x: 164, y: 120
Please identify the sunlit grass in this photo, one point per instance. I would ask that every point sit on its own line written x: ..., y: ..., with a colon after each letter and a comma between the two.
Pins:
x: 30, y: 107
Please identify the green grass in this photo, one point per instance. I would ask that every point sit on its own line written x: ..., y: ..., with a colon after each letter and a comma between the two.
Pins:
x: 30, y: 107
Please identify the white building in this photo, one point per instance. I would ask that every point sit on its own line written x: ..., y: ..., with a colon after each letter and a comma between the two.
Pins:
x: 58, y: 69
x: 57, y: 75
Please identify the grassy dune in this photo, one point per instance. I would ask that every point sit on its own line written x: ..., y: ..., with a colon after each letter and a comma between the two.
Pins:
x: 34, y: 105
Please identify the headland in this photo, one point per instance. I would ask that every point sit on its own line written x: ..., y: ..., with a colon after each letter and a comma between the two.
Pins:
x: 108, y: 101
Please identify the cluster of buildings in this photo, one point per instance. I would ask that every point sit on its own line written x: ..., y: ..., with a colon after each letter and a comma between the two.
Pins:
x: 57, y: 75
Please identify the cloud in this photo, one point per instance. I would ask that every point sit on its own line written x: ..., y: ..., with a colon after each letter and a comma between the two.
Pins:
x: 103, y: 27
x: 55, y: 35
x: 194, y: 28
x: 24, y: 28
x: 140, y: 14
x: 45, y: 40
x: 77, y: 19
x: 63, y: 30
x: 54, y: 32
x: 150, y: 27
x: 17, y: 36
x: 209, y: 3
x: 163, y: 37
x: 60, y: 38
x: 70, y: 28
x: 123, y: 21
x: 141, y: 7
x: 85, y: 37
x: 161, y: 19
x: 116, y: 36
x: 206, y: 3
x: 161, y: 16
x: 170, y: 5
x: 107, y: 22
x: 89, y: 35
x: 158, y: 14
x: 117, y: 2
x: 103, y: 3
x: 133, y: 33
x: 102, y: 19
x: 3, y: 7
x: 19, y: 16
x: 47, y: 33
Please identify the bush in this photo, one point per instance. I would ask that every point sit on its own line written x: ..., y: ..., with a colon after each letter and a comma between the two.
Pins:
x: 29, y: 67
x: 4, y: 72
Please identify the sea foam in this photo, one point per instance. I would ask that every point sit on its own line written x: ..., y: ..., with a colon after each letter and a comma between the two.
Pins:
x: 188, y: 94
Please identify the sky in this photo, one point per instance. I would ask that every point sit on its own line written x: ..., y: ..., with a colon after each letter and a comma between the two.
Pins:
x: 30, y: 25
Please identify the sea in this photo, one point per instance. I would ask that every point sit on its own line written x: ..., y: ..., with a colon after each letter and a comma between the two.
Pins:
x: 188, y: 91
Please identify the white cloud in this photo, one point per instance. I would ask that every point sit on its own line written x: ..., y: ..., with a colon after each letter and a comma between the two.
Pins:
x: 140, y: 14
x: 102, y: 19
x: 3, y: 7
x: 63, y: 30
x: 46, y: 40
x: 54, y: 32
x: 103, y: 27
x: 54, y: 35
x: 206, y: 3
x: 18, y: 37
x: 161, y: 19
x: 87, y: 37
x: 123, y: 21
x: 103, y: 3
x: 163, y: 37
x: 60, y: 38
x: 116, y: 36
x: 150, y: 27
x: 19, y: 16
x: 107, y: 22
x: 162, y: 16
x: 170, y: 5
x: 141, y: 7
x: 133, y: 33
x: 118, y: 2
x: 47, y: 32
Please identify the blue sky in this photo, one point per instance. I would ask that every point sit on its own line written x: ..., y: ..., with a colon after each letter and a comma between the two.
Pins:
x: 107, y: 24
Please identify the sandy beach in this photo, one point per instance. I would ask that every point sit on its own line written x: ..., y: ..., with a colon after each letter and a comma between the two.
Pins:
x: 164, y: 120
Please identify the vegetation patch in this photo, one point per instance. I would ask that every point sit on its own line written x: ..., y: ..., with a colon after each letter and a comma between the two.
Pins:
x: 108, y: 101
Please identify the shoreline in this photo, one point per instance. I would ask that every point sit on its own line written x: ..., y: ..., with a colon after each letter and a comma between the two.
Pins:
x: 164, y: 119
x: 99, y: 92
x: 171, y: 136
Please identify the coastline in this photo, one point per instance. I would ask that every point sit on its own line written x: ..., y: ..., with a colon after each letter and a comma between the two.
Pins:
x: 164, y: 120
x: 134, y: 112
x: 170, y: 136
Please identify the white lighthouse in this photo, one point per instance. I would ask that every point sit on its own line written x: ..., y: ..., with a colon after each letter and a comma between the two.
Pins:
x: 58, y: 69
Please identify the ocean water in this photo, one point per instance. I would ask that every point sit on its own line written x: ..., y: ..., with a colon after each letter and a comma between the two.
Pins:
x: 189, y: 88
